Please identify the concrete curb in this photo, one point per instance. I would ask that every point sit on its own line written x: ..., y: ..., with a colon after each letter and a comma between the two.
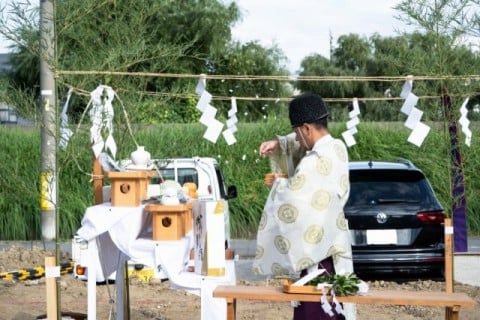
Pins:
x: 465, y: 267
x: 243, y: 248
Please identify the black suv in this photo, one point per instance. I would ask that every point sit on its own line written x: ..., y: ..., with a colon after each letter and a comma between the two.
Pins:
x: 395, y: 220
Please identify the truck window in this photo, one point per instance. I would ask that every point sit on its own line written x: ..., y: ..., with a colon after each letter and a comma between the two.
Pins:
x: 183, y: 175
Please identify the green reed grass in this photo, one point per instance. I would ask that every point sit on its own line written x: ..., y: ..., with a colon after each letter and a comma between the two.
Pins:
x: 241, y: 164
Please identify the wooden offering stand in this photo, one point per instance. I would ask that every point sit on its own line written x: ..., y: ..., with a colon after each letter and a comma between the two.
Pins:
x: 129, y: 188
x: 170, y: 222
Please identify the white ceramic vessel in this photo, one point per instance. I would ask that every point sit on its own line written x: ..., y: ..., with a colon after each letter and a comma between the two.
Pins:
x: 140, y: 157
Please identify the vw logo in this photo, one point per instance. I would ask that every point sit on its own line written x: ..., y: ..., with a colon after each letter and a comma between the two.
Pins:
x: 381, y: 217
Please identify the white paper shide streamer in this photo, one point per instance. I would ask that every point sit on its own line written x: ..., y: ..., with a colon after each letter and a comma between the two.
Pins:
x: 214, y: 127
x: 101, y: 115
x: 414, y: 115
x: 348, y: 135
x: 231, y: 123
x: 65, y: 132
x: 464, y: 122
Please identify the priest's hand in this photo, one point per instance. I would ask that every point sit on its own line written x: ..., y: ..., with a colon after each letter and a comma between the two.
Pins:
x: 269, y: 147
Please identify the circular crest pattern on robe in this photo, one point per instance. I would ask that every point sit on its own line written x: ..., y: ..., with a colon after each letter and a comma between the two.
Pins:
x: 303, y: 220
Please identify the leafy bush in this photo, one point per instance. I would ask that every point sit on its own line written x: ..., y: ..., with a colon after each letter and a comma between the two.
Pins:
x: 241, y: 164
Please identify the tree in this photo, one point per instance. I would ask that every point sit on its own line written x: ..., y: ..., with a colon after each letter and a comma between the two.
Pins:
x: 443, y: 43
x: 176, y: 37
x: 317, y: 65
x: 455, y: 18
x: 352, y: 53
x: 446, y: 21
x: 252, y: 59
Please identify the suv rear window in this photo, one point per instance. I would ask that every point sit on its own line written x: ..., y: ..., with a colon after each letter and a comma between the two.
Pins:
x: 372, y: 187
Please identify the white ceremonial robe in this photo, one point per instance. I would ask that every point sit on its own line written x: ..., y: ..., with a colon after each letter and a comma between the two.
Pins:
x: 303, y: 221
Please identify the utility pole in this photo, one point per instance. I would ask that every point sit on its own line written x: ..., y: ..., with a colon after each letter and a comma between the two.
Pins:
x: 48, y: 177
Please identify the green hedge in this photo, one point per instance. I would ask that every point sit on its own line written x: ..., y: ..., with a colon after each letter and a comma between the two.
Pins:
x: 20, y: 158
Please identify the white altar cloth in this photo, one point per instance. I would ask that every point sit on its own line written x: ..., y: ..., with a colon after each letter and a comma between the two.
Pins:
x: 119, y: 234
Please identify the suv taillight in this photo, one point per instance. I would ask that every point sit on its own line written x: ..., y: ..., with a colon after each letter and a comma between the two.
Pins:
x: 431, y: 217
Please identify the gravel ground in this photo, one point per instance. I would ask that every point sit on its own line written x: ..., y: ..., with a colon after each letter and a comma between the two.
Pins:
x: 23, y: 300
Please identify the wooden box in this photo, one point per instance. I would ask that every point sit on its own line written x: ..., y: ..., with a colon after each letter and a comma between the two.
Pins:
x: 168, y: 221
x: 144, y: 182
x: 128, y: 188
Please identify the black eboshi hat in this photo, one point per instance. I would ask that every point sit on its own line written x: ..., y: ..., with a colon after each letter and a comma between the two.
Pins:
x: 307, y: 108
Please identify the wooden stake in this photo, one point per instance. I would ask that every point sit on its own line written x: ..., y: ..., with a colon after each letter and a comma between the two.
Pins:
x: 448, y: 256
x: 126, y: 293
x: 51, y: 291
x: 97, y: 181
x: 448, y: 264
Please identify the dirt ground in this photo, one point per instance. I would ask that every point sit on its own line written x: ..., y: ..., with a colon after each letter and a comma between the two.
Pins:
x: 26, y: 299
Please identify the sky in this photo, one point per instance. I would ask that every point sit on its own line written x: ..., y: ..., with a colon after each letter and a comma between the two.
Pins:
x: 303, y: 27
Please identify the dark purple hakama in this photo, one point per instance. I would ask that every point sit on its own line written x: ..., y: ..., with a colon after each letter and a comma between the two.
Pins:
x: 314, y: 310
